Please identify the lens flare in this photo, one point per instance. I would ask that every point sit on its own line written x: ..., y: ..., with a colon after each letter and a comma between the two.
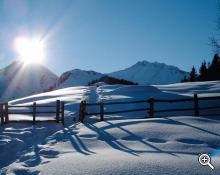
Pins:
x: 30, y: 50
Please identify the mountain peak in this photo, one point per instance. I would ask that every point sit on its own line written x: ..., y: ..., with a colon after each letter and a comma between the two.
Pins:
x: 145, y: 72
x: 145, y: 63
x: 77, y: 77
x: 19, y: 79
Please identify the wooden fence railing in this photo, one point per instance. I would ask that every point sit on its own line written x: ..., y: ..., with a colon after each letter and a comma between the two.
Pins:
x: 6, y: 110
x: 151, y: 106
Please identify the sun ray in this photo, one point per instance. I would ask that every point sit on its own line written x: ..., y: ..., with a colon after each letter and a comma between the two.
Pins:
x: 30, y: 50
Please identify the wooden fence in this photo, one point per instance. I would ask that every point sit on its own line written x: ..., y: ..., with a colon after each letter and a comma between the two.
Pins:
x: 150, y: 106
x: 6, y: 110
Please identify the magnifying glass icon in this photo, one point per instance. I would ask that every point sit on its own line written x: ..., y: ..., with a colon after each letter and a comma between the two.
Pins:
x: 204, y: 160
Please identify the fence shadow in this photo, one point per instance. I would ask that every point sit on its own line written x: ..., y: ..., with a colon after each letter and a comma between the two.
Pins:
x: 110, y: 139
x: 76, y: 142
x: 193, y: 126
x: 118, y: 144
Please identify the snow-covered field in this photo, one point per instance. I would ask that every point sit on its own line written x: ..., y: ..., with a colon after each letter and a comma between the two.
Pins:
x: 122, y: 144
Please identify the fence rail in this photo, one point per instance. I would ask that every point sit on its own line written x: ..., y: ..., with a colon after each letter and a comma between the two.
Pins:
x: 6, y: 110
x: 151, y: 109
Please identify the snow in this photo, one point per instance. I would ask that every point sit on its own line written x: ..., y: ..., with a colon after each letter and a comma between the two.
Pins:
x: 77, y: 77
x: 19, y: 80
x: 70, y: 96
x: 144, y: 72
x: 211, y: 88
x: 168, y: 145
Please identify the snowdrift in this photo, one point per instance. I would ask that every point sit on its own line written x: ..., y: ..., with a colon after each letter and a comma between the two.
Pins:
x: 168, y: 145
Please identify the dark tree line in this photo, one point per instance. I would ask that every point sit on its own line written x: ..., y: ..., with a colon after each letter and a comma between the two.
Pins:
x: 207, y: 72
x: 111, y: 80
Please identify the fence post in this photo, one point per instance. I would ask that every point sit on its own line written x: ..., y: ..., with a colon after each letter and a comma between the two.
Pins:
x: 196, y: 105
x: 62, y: 112
x: 6, y: 113
x: 101, y: 111
x: 57, y: 111
x: 151, y: 107
x: 1, y: 114
x: 81, y: 112
x: 34, y: 112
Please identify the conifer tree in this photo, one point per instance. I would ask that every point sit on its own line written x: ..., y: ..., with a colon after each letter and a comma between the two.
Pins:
x: 203, y: 72
x: 214, y: 68
x: 193, y: 75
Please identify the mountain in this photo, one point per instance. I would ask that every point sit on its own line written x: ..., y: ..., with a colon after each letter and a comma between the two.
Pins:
x: 110, y: 81
x: 20, y: 79
x: 77, y: 77
x: 144, y: 72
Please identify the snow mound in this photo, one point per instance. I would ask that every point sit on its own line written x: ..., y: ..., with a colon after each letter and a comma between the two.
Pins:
x: 108, y: 88
x: 137, y: 89
x: 138, y: 146
x: 159, y: 145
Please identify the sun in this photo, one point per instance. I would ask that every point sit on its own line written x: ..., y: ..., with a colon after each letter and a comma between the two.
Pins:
x: 30, y: 50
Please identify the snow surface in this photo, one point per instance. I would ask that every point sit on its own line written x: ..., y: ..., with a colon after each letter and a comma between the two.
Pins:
x: 19, y: 80
x: 144, y: 72
x: 168, y: 145
x: 77, y: 77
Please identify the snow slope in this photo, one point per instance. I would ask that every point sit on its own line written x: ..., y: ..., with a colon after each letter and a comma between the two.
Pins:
x: 77, y: 77
x: 168, y: 145
x: 20, y: 79
x: 144, y: 72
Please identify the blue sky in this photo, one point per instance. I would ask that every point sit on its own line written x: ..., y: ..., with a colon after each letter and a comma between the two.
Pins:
x: 108, y: 35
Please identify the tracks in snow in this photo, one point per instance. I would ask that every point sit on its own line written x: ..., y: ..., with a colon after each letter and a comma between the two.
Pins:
x: 92, y: 96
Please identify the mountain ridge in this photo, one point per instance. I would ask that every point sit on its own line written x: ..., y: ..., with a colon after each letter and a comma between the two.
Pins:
x: 19, y: 80
x: 77, y: 77
x: 145, y: 72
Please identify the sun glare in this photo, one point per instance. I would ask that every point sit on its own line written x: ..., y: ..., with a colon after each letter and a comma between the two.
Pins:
x: 30, y: 50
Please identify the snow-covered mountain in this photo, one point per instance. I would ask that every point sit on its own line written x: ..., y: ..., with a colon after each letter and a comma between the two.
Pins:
x: 20, y: 79
x: 144, y: 72
x: 77, y: 77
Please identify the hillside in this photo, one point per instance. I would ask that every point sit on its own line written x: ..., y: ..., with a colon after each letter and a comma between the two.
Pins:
x: 18, y: 80
x: 144, y: 72
x: 122, y: 144
x: 77, y: 77
x: 110, y: 81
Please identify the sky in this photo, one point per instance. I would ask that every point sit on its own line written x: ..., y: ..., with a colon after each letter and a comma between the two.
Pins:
x: 109, y: 35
